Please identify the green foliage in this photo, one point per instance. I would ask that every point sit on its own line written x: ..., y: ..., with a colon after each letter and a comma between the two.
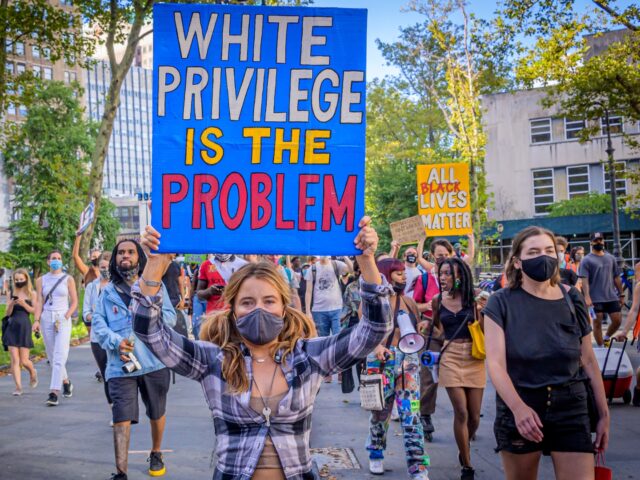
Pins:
x: 589, y: 204
x: 446, y: 67
x: 107, y: 225
x: 38, y: 22
x: 46, y: 156
x: 402, y: 132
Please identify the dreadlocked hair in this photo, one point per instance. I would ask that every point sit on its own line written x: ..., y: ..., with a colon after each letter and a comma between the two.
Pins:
x: 220, y: 328
x: 461, y: 272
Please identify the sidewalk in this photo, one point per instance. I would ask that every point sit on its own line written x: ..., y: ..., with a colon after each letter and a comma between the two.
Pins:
x: 74, y: 440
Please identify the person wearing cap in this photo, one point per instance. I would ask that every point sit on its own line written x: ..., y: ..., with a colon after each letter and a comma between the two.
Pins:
x: 602, y: 287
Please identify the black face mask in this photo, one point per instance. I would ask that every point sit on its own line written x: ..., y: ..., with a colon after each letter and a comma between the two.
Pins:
x: 398, y: 287
x: 128, y: 274
x: 598, y: 247
x: 260, y: 327
x: 21, y: 284
x: 540, y: 268
x: 411, y: 258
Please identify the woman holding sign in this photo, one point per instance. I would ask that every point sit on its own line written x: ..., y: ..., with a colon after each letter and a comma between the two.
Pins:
x: 258, y: 365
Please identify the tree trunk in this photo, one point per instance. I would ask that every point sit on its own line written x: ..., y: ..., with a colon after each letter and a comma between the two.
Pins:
x: 118, y: 73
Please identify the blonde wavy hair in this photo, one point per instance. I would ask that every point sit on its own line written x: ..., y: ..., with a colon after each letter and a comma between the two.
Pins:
x: 220, y: 328
x: 23, y: 271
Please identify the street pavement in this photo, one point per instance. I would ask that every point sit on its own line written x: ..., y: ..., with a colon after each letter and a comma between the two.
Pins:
x: 74, y: 440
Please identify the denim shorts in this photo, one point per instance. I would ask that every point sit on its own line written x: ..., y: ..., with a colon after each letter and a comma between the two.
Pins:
x: 564, y: 415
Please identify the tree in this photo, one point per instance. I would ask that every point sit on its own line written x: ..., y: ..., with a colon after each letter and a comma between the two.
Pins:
x: 53, y: 29
x: 589, y: 204
x: 452, y: 65
x: 121, y: 22
x: 402, y: 132
x: 47, y: 156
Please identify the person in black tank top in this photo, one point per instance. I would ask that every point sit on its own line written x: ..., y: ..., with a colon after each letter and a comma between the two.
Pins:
x: 536, y: 321
x: 460, y: 373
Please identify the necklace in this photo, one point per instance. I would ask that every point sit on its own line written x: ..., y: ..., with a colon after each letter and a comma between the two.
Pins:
x: 266, y: 411
x: 259, y: 360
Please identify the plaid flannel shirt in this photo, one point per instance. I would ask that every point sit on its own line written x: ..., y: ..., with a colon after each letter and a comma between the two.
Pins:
x: 240, y: 431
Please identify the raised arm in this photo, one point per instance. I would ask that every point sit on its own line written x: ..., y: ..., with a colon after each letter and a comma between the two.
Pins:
x: 338, y: 352
x: 80, y: 265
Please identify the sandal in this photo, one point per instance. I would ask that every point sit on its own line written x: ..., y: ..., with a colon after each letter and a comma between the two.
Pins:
x: 17, y: 393
x: 33, y: 383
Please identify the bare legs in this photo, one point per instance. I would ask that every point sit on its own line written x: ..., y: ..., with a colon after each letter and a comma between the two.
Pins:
x: 466, y: 418
x: 20, y: 358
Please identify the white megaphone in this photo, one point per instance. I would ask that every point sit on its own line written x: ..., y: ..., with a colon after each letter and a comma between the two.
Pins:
x: 410, y: 340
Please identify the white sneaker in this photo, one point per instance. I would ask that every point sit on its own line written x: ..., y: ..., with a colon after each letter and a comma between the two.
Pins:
x: 395, y: 416
x: 376, y: 467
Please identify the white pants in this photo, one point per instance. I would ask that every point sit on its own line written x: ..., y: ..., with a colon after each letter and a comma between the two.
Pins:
x: 56, y: 344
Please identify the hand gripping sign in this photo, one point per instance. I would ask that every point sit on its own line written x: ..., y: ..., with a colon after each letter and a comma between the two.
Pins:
x: 259, y: 128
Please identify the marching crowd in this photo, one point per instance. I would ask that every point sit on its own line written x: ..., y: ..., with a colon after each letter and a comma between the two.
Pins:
x: 262, y: 333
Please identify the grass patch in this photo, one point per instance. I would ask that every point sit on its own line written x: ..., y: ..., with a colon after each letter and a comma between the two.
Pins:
x: 78, y: 332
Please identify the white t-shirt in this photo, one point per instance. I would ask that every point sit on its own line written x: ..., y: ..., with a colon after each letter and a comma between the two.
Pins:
x: 327, y: 295
x: 227, y: 269
x: 412, y: 273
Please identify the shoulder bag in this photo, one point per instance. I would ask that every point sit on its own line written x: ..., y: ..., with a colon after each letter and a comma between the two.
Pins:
x: 477, y: 336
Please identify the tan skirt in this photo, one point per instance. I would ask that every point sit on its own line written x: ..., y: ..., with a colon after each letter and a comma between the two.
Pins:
x: 459, y: 369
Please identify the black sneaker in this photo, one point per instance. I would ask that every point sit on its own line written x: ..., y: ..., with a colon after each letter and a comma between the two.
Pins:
x: 467, y: 473
x: 426, y: 424
x: 118, y: 476
x: 67, y: 390
x: 156, y: 465
x: 52, y: 401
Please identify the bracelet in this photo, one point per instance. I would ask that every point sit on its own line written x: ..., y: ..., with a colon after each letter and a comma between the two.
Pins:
x: 150, y: 283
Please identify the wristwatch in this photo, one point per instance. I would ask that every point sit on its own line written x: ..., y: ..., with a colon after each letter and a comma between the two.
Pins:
x: 150, y: 283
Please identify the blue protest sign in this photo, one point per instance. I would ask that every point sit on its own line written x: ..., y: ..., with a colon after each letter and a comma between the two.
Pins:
x: 258, y: 128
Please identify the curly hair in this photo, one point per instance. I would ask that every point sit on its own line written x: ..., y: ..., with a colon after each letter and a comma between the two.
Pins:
x: 460, y: 271
x: 220, y: 328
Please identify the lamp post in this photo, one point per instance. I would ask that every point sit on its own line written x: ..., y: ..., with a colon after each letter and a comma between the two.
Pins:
x: 617, y: 248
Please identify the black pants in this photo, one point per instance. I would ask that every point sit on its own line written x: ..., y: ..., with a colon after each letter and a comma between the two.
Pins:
x: 101, y: 359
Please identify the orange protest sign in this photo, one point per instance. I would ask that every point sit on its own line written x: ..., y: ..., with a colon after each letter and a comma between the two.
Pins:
x: 443, y: 199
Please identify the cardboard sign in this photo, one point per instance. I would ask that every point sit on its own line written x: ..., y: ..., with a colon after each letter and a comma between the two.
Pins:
x: 259, y: 128
x: 443, y: 199
x: 409, y: 230
x: 86, y: 217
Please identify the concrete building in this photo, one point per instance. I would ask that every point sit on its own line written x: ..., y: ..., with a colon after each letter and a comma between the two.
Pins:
x: 534, y: 159
x: 127, y: 169
x: 22, y: 57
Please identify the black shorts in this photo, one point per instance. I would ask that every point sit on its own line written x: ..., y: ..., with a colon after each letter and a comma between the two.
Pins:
x: 564, y: 416
x: 607, y: 307
x: 153, y: 388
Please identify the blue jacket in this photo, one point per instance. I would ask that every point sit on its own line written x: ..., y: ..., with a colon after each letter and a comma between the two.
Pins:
x: 111, y: 323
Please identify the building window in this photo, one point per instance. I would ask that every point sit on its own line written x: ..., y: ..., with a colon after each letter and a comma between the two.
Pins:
x: 35, y: 51
x: 541, y: 130
x: 20, y: 68
x: 578, y: 180
x: 48, y: 73
x: 46, y: 52
x: 11, y: 109
x: 22, y: 110
x: 543, y: 194
x: 9, y: 68
x: 572, y: 128
x: 621, y: 182
x: 615, y: 125
x: 19, y: 49
x: 67, y: 77
x: 37, y: 71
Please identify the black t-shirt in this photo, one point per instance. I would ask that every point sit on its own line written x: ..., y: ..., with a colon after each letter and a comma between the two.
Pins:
x: 542, y: 338
x: 171, y: 280
x: 568, y: 277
